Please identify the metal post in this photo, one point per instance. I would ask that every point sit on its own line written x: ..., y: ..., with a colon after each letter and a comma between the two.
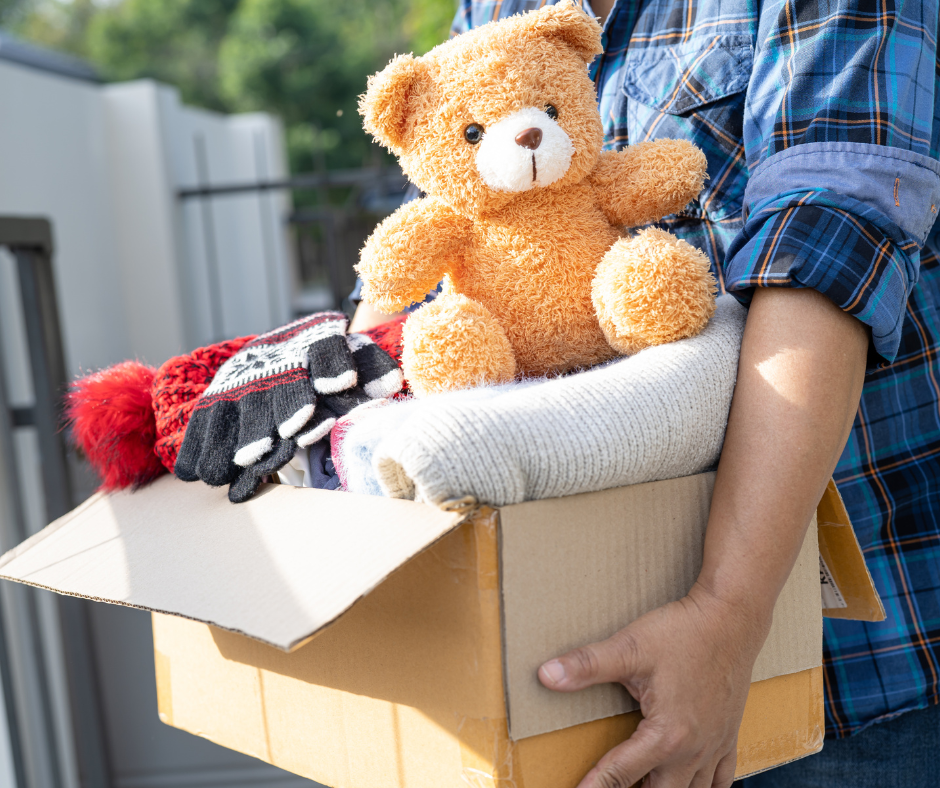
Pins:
x: 12, y: 513
x: 30, y: 241
x: 267, y: 241
x: 209, y: 242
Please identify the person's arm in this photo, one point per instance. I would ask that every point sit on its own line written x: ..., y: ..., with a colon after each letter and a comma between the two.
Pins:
x: 367, y: 316
x: 689, y: 663
x: 832, y: 206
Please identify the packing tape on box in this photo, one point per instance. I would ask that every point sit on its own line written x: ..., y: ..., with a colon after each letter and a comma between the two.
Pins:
x: 485, y: 748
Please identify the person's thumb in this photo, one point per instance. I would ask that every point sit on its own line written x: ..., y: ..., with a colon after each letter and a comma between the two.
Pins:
x: 616, y: 659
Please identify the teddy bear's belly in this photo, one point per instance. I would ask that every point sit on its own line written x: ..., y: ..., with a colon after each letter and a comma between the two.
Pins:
x: 539, y: 289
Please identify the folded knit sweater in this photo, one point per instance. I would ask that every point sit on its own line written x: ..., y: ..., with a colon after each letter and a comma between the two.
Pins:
x: 658, y: 414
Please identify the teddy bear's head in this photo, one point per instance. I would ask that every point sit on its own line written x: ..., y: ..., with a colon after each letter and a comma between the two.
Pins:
x: 491, y: 114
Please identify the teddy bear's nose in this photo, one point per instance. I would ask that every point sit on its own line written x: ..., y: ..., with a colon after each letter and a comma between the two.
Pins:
x: 530, y: 138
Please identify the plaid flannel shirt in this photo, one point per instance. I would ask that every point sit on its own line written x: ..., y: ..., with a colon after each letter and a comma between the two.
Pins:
x: 820, y: 120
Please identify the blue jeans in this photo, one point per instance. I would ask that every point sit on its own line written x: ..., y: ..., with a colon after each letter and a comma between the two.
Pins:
x: 901, y: 753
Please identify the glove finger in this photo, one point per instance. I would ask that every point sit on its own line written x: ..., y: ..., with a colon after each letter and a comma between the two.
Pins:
x: 318, y: 427
x: 345, y: 401
x: 331, y: 364
x: 250, y: 478
x: 257, y: 433
x: 294, y: 405
x: 215, y: 464
x: 187, y: 459
x: 377, y: 373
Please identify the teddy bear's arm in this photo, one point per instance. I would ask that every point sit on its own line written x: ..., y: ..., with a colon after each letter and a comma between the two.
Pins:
x: 408, y: 254
x: 649, y: 180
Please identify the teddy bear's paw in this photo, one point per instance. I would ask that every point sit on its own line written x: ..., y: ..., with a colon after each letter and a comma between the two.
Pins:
x: 455, y: 342
x: 651, y: 289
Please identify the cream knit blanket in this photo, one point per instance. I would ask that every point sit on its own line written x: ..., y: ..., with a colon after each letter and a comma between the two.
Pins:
x: 656, y: 415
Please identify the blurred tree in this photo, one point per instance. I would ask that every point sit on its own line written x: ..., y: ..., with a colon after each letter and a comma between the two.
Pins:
x: 174, y: 41
x: 10, y: 11
x: 428, y: 22
x: 61, y: 26
x: 301, y: 59
x: 304, y: 60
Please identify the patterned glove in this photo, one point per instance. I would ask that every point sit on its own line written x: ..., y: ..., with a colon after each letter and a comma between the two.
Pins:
x: 267, y: 390
x: 282, y: 389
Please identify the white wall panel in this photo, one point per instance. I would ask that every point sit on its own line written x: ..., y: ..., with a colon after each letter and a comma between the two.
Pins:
x: 104, y: 165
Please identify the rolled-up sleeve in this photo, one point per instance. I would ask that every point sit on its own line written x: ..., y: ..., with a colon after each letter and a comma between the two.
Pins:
x: 844, y: 182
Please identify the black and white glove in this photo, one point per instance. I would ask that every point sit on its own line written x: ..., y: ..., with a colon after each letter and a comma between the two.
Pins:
x: 282, y: 390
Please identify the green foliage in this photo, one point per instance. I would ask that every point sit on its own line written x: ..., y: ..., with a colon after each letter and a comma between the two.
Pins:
x: 304, y: 60
x: 61, y: 26
x: 174, y: 41
x: 13, y: 11
x: 297, y: 58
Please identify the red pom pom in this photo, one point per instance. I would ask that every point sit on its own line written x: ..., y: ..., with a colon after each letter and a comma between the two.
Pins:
x: 112, y: 422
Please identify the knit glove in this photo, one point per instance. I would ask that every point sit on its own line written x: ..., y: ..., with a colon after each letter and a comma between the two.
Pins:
x: 266, y: 391
x: 282, y: 389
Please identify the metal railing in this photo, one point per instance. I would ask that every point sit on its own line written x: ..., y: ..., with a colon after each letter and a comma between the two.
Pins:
x: 27, y: 684
x: 331, y: 250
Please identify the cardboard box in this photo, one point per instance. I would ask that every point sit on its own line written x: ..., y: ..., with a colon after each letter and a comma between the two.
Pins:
x: 370, y: 642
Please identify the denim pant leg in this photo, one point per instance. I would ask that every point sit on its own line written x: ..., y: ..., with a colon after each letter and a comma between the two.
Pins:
x: 901, y: 753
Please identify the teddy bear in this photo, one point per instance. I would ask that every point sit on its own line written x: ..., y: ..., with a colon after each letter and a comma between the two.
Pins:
x: 524, y: 215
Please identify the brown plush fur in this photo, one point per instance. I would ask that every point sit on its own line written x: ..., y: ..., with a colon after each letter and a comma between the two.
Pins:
x: 540, y: 281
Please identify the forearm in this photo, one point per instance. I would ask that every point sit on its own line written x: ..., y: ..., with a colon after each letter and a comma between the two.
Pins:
x: 799, y: 382
x: 367, y: 317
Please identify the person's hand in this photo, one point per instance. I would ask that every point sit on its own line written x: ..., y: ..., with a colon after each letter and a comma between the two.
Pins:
x: 689, y: 666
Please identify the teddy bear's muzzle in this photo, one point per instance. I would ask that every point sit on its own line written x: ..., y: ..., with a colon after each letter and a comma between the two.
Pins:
x: 524, y: 150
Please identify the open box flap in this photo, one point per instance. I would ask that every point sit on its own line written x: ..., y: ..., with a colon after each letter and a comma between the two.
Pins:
x: 277, y: 568
x: 848, y: 590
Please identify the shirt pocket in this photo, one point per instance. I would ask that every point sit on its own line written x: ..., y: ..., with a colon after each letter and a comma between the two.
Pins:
x: 696, y: 91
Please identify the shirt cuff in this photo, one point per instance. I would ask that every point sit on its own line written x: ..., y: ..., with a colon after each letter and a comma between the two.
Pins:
x: 846, y: 250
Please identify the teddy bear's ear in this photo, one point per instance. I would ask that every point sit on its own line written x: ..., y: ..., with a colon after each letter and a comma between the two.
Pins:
x: 567, y: 23
x: 386, y: 106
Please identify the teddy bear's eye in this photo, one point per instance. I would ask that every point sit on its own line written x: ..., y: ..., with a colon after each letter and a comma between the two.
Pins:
x: 551, y: 111
x: 473, y: 133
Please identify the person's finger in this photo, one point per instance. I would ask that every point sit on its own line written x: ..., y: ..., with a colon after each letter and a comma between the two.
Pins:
x: 724, y: 772
x: 614, y: 659
x: 674, y: 777
x: 627, y: 763
x: 703, y: 777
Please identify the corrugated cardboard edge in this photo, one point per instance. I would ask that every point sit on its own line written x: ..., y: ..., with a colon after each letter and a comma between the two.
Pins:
x: 463, y: 509
x: 49, y: 530
x: 842, y: 553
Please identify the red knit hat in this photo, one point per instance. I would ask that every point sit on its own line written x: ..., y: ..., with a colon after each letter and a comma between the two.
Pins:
x: 129, y: 420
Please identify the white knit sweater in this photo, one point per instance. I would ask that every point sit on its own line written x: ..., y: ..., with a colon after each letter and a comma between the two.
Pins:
x: 656, y: 415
